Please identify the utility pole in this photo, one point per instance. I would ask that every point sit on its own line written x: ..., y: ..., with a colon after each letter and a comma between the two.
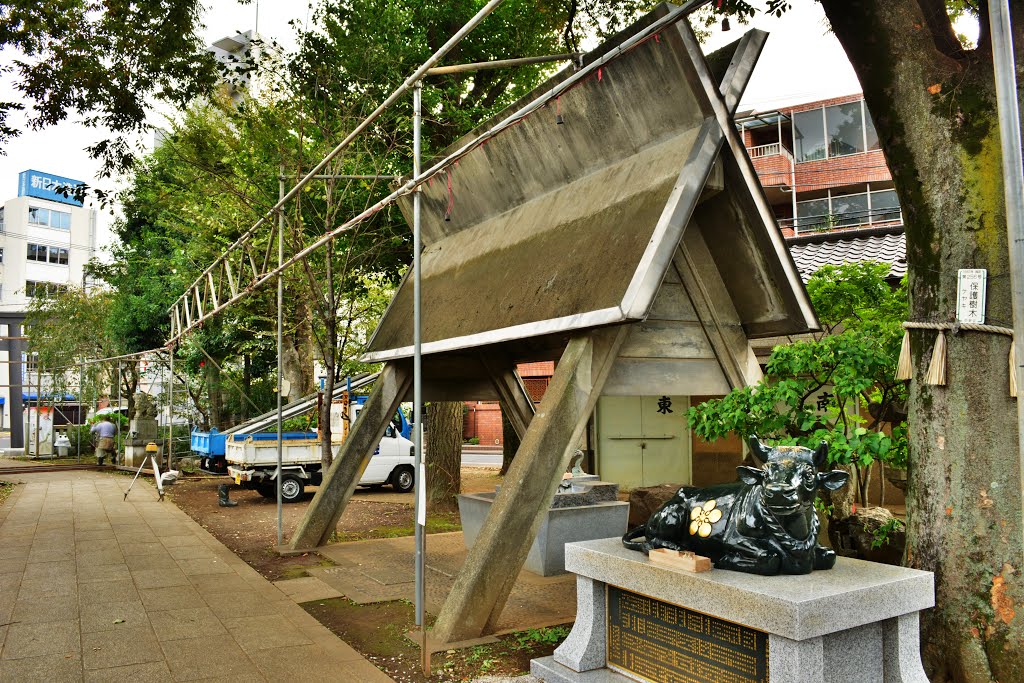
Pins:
x: 1013, y: 184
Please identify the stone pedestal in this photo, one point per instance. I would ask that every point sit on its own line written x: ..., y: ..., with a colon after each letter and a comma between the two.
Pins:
x: 141, y: 431
x: 855, y: 623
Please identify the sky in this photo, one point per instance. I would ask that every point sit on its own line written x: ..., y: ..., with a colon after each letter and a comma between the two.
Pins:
x: 801, y: 61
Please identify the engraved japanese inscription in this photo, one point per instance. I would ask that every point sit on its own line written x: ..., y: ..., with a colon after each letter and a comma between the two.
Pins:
x: 664, y: 643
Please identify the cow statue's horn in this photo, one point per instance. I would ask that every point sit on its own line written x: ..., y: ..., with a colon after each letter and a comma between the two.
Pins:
x: 820, y: 457
x: 758, y: 450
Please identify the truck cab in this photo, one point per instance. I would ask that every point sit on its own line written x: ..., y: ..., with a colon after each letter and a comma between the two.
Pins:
x: 392, y: 462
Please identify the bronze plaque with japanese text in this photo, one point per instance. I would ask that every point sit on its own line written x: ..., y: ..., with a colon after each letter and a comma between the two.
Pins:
x: 663, y: 643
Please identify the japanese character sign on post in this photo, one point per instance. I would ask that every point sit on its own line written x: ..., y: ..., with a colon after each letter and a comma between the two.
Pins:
x: 970, y: 295
x: 665, y: 405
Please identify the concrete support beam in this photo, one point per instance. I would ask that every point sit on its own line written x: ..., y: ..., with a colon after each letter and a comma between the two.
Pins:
x: 486, y: 579
x: 511, y: 392
x: 333, y: 495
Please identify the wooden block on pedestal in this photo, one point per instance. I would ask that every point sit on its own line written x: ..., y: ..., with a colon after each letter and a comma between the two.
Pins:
x: 675, y: 559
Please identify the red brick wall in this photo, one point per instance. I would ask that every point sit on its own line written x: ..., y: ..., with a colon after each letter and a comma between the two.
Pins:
x: 482, y: 420
x: 542, y: 369
x: 773, y: 170
x: 853, y: 169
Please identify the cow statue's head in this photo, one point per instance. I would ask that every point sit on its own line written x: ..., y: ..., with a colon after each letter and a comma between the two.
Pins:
x: 789, y: 476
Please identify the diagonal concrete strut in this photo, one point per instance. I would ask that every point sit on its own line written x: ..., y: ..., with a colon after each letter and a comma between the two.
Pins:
x: 486, y: 579
x: 333, y: 495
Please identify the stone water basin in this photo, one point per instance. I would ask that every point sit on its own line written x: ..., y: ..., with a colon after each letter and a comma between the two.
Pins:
x: 589, y: 510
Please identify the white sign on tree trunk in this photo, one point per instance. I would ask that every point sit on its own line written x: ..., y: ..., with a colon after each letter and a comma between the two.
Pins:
x: 970, y: 295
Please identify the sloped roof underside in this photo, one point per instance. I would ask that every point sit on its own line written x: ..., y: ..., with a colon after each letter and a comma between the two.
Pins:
x: 568, y: 252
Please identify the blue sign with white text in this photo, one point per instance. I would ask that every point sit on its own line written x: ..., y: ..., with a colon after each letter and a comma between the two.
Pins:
x: 48, y: 186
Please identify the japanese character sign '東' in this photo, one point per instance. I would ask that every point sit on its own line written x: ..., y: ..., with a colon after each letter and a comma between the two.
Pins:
x: 664, y: 405
x: 970, y: 295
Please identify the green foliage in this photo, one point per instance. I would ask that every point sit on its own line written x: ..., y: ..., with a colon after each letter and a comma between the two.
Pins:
x: 533, y: 637
x: 853, y: 361
x: 306, y: 422
x: 102, y: 62
x: 883, y: 534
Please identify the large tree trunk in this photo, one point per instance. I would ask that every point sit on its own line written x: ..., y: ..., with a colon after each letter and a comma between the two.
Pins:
x: 444, y: 455
x: 215, y: 394
x: 297, y: 357
x: 934, y: 107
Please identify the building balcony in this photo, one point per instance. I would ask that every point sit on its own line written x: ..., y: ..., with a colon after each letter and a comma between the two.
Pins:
x: 879, y: 218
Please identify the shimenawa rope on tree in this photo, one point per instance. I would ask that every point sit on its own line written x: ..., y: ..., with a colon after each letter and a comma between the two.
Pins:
x: 937, y: 368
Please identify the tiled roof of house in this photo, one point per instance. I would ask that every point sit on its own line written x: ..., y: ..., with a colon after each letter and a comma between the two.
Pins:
x: 884, y: 246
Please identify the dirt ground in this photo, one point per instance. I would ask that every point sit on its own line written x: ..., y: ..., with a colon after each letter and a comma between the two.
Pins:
x: 378, y: 632
x: 250, y: 528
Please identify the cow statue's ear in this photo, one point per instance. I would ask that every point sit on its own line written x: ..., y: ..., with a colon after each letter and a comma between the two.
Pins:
x: 751, y: 475
x: 758, y: 450
x: 820, y: 457
x: 834, y: 480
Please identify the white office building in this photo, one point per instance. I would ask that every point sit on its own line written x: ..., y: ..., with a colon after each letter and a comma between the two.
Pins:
x: 46, y: 238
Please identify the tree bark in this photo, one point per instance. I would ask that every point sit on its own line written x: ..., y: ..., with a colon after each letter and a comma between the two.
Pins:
x: 215, y: 394
x: 444, y: 455
x: 935, y: 111
x: 297, y: 359
x: 246, y: 387
x: 509, y: 442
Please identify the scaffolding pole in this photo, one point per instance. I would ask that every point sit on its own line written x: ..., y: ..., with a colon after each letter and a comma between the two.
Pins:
x: 170, y: 410
x: 417, y: 377
x: 280, y: 352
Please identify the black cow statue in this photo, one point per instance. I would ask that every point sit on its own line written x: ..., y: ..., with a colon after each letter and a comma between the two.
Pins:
x: 763, y: 524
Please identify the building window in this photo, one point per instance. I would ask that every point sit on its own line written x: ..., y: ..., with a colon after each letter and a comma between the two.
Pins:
x: 44, y: 254
x: 36, y: 253
x: 835, y: 131
x: 2, y: 228
x: 844, y: 127
x: 848, y: 210
x: 49, y: 218
x: 809, y: 135
x: 34, y: 289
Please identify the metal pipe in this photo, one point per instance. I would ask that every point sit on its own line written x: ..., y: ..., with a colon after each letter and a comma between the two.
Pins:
x: 81, y: 385
x: 39, y: 399
x: 417, y: 379
x: 280, y: 352
x: 328, y: 176
x: 1013, y: 182
x: 117, y: 444
x: 502, y: 63
x: 363, y: 125
x: 170, y: 411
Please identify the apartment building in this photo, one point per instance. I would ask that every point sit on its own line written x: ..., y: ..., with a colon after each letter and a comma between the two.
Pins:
x: 824, y: 174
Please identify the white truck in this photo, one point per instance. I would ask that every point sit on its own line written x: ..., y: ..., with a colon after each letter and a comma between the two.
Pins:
x: 252, y: 458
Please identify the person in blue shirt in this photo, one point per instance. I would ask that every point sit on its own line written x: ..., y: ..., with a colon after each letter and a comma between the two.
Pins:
x: 106, y: 430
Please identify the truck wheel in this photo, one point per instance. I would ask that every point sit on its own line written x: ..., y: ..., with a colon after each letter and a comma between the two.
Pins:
x: 291, y: 488
x: 402, y: 479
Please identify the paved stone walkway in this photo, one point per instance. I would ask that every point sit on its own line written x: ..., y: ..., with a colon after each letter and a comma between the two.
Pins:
x: 93, y: 588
